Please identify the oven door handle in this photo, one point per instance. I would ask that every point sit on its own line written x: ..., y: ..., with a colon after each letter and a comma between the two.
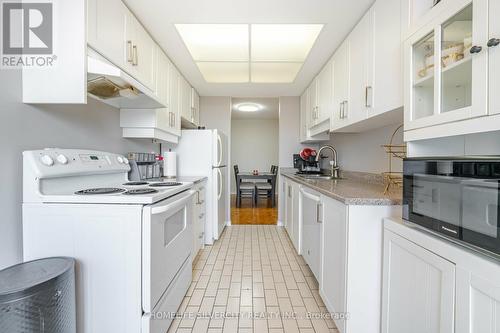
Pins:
x: 183, y: 198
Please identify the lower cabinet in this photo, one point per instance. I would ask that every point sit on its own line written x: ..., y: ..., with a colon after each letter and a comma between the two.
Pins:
x: 419, y: 289
x: 432, y: 285
x: 199, y: 217
x: 342, y: 244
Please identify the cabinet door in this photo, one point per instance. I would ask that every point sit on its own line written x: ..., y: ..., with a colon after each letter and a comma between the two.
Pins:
x: 185, y: 99
x: 131, y: 46
x: 304, y: 116
x: 195, y: 106
x: 288, y: 207
x: 105, y: 32
x: 334, y: 266
x: 418, y: 289
x: 361, y: 65
x: 325, y: 93
x: 313, y: 103
x: 174, y: 99
x: 386, y: 94
x: 311, y: 210
x: 145, y: 56
x: 296, y: 227
x: 446, y: 67
x: 478, y: 302
x: 494, y: 57
x: 162, y: 79
x: 341, y: 70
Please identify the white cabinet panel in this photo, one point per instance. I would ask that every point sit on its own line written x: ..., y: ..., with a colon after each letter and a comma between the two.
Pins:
x: 494, y: 56
x: 361, y: 68
x: 341, y: 94
x: 174, y: 98
x: 325, y: 93
x: 386, y: 94
x: 334, y: 263
x: 105, y: 32
x: 419, y: 289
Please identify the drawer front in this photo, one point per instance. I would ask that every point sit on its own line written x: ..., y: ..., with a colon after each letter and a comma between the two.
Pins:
x: 162, y: 316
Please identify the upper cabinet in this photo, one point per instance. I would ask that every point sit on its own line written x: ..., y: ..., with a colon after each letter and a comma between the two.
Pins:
x: 448, y: 66
x: 361, y: 85
x: 307, y: 110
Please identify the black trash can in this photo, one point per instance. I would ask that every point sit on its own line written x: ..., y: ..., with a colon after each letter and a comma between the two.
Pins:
x: 38, y: 297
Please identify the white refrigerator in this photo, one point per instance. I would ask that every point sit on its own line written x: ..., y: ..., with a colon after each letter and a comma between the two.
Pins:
x: 205, y: 153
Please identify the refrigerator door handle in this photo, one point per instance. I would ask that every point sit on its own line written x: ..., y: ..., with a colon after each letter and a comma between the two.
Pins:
x: 219, y: 183
x: 219, y: 144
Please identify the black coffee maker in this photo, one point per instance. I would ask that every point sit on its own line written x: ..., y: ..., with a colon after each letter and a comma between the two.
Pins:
x: 306, y: 166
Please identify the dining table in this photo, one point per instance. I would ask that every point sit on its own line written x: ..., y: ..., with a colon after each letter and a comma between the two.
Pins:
x: 257, y: 176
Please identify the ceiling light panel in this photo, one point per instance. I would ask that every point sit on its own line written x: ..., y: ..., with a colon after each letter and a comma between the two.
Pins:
x: 224, y: 72
x: 277, y: 72
x: 283, y: 42
x: 216, y: 42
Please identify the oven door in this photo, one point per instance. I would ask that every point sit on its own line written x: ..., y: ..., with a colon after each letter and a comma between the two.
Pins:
x: 480, y: 205
x: 166, y: 244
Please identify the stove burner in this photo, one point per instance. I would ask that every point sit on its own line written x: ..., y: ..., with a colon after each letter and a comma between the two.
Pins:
x: 141, y: 191
x: 135, y: 183
x: 100, y: 190
x: 165, y: 184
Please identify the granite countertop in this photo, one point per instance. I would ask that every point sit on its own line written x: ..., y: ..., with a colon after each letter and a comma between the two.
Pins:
x: 357, y: 188
x: 193, y: 179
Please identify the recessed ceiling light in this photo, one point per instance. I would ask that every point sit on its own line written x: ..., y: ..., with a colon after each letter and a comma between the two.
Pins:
x: 249, y: 107
x: 258, y: 53
x: 216, y: 42
x: 283, y: 42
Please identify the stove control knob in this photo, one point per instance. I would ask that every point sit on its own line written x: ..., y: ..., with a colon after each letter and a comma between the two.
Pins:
x: 62, y: 159
x: 119, y: 159
x: 125, y: 160
x: 47, y: 160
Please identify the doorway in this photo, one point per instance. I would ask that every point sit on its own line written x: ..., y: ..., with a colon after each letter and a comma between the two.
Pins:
x: 254, y: 156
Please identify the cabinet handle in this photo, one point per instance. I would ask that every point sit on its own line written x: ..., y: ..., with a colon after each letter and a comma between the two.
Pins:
x: 493, y: 42
x: 368, y: 103
x: 475, y: 49
x: 342, y: 110
x: 129, y: 51
x: 319, y: 217
x: 289, y: 191
x: 346, y: 110
x: 135, y: 57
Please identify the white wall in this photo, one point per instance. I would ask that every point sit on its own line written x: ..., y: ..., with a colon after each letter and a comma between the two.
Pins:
x: 254, y: 145
x: 289, y: 131
x: 25, y: 127
x: 215, y: 113
x: 364, y: 152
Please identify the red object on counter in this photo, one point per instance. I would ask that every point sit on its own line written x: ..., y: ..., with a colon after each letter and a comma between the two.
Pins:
x: 307, y: 153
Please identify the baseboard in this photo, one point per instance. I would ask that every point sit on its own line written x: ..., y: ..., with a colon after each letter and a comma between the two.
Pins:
x: 280, y: 224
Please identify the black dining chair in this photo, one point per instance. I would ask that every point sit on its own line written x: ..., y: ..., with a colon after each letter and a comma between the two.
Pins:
x: 243, y: 189
x: 267, y: 189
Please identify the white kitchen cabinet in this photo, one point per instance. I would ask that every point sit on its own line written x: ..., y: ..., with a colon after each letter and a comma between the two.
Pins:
x: 433, y: 285
x: 175, y: 99
x: 360, y: 71
x: 334, y: 261
x: 199, y: 217
x: 447, y: 66
x: 306, y: 121
x: 386, y: 92
x: 324, y: 91
x: 105, y: 32
x: 291, y: 213
x: 419, y: 289
x: 341, y: 93
x: 140, y: 52
x: 195, y: 107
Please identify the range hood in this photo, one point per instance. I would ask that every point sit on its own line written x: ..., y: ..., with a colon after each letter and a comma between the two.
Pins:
x: 111, y: 85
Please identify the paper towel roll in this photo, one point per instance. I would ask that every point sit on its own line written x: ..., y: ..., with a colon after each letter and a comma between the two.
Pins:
x: 170, y: 164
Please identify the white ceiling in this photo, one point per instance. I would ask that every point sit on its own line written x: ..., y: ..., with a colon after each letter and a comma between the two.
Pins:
x: 270, y: 108
x: 159, y: 17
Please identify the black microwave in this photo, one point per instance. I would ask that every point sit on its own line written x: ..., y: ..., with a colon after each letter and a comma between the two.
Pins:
x: 455, y: 197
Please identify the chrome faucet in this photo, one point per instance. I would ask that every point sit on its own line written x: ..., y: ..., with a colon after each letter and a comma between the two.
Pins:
x: 333, y: 163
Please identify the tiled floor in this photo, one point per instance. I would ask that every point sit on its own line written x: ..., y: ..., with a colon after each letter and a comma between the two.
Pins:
x: 255, y: 270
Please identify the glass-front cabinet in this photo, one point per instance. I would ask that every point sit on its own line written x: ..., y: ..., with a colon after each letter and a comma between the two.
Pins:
x: 447, y: 67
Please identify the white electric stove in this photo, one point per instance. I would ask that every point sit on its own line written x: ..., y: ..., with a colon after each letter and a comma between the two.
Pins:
x: 132, y: 240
